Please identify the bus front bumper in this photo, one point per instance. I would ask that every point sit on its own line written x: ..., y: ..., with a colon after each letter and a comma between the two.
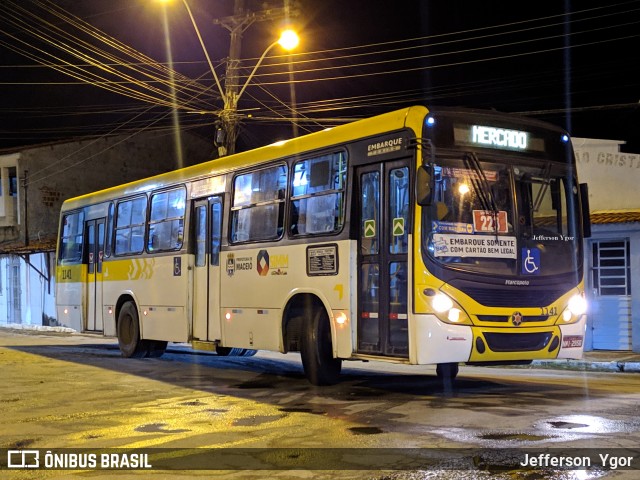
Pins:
x: 439, y: 342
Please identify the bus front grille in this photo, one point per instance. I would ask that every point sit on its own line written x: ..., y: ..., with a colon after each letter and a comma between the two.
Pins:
x: 508, y: 297
x: 517, y: 342
x: 507, y: 318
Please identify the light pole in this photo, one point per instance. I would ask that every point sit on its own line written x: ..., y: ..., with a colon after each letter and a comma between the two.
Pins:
x: 229, y: 115
x: 227, y: 132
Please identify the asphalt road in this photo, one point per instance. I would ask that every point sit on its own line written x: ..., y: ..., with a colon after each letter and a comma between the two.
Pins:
x: 73, y: 394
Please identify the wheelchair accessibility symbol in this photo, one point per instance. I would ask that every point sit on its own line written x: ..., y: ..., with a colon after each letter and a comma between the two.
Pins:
x: 530, y: 261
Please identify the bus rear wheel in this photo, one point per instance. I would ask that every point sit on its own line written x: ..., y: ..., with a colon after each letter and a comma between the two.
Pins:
x: 128, y: 330
x: 316, y: 351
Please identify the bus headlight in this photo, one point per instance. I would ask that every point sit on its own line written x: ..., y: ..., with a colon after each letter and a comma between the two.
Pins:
x: 441, y: 303
x: 577, y: 306
x: 448, y: 311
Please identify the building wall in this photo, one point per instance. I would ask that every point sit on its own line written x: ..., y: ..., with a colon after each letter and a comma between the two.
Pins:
x: 612, y: 175
x: 8, y: 196
x: 617, y: 313
x: 54, y: 173
x: 27, y: 299
x: 613, y: 178
x: 57, y: 172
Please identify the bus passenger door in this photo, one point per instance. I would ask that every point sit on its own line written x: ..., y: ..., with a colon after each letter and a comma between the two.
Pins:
x: 94, y: 248
x: 207, y: 218
x: 383, y: 273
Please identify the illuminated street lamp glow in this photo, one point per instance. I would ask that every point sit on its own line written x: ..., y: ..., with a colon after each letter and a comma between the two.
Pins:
x: 289, y: 39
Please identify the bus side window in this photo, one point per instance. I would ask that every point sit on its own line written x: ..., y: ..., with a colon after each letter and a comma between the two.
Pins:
x: 130, y: 223
x: 317, y: 200
x: 257, y: 213
x: 166, y: 222
x: 201, y: 235
x: 71, y: 238
x: 321, y: 213
x: 216, y: 230
x: 109, y: 232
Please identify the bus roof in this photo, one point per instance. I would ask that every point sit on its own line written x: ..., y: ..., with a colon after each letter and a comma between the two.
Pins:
x: 408, y: 117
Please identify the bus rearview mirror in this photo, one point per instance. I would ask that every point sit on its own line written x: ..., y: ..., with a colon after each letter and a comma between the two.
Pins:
x: 423, y: 186
x: 586, y: 214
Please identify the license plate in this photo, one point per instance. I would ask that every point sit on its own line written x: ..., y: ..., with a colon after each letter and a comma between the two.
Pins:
x: 572, y: 341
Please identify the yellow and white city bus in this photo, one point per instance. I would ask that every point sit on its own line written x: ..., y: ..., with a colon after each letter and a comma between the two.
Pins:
x: 420, y: 237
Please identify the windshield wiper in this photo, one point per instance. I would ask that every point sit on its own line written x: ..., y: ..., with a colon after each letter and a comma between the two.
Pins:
x: 546, y: 181
x: 483, y: 189
x: 481, y: 184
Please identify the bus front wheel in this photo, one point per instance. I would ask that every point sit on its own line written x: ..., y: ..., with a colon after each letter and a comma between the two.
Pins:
x: 320, y: 367
x: 447, y: 371
x: 128, y: 329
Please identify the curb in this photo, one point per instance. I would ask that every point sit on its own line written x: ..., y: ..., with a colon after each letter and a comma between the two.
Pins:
x: 37, y: 328
x: 597, y: 366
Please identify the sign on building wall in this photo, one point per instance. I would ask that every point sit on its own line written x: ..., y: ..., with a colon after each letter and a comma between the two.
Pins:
x: 613, y: 177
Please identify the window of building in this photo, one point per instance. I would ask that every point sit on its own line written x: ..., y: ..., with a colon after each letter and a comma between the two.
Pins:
x: 317, y: 199
x: 13, y: 182
x: 611, y: 267
x: 257, y: 212
x: 130, y: 220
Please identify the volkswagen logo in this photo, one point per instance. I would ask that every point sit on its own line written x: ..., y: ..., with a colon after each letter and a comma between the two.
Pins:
x: 516, y: 318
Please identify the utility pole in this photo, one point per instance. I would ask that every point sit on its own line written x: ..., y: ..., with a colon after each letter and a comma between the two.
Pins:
x: 25, y: 184
x: 237, y: 24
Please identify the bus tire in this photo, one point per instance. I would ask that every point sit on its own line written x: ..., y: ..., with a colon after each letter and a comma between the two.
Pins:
x: 447, y: 371
x: 128, y: 329
x: 316, y: 352
x: 156, y: 348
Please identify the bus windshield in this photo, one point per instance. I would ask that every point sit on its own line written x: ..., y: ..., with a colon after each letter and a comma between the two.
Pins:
x: 503, y: 219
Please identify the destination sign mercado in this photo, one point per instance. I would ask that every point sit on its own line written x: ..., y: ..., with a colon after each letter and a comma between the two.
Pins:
x: 494, y: 137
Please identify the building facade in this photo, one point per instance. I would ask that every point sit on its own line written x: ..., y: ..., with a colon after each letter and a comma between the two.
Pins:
x: 35, y: 180
x: 612, y: 254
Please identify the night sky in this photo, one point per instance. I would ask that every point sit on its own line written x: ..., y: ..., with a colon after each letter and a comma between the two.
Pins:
x: 74, y: 68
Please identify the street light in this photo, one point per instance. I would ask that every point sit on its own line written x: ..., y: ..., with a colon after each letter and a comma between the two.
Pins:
x: 288, y: 40
x: 227, y: 130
